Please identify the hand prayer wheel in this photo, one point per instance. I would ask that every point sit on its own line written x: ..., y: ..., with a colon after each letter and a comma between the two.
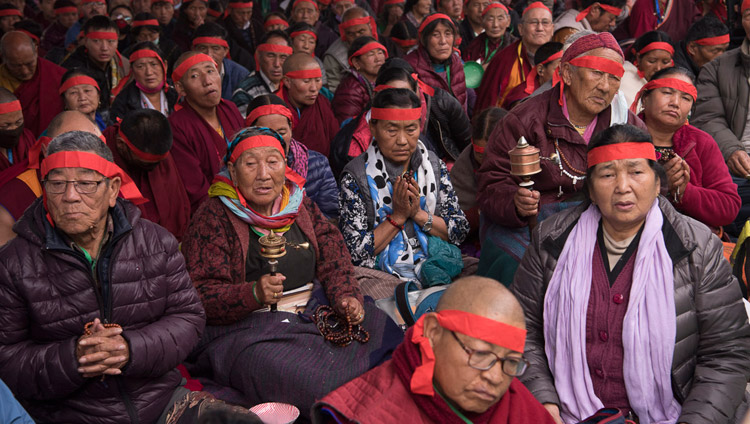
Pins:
x: 525, y: 162
x: 273, y: 246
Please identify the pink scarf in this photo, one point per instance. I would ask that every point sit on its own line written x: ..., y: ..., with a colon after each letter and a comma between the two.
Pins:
x: 649, y: 326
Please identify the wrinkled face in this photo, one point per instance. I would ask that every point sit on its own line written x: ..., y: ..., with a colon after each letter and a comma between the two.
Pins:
x: 148, y: 72
x: 201, y: 85
x: 654, y: 61
x: 495, y: 23
x: 397, y: 140
x: 624, y: 191
x: 163, y: 11
x: 536, y: 28
x: 89, y: 10
x: 342, y: 6
x: 305, y: 12
x: 99, y: 50
x: 278, y: 123
x: 241, y: 16
x: 259, y: 175
x: 217, y: 52
x: 451, y: 8
x: 147, y: 34
x: 195, y: 12
x: 304, y: 43
x: 601, y: 20
x: 271, y: 63
x: 356, y: 31
x: 74, y: 213
x: 704, y: 54
x: 21, y: 62
x: 473, y: 11
x: 369, y: 63
x: 423, y: 7
x: 667, y: 107
x: 303, y: 92
x: 67, y: 19
x: 440, y: 43
x: 6, y: 22
x: 83, y: 98
x: 590, y: 90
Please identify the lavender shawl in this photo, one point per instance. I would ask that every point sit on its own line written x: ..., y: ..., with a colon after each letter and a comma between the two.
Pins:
x: 649, y: 326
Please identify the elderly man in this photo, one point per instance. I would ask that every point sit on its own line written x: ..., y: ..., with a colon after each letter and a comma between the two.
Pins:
x: 514, y: 63
x: 140, y: 145
x: 244, y: 27
x: 307, y: 11
x: 706, y: 40
x: 211, y: 39
x: 270, y: 56
x: 30, y: 77
x: 314, y: 123
x: 203, y: 126
x: 355, y: 22
x: 597, y: 15
x: 559, y: 122
x: 457, y: 364
x: 15, y: 139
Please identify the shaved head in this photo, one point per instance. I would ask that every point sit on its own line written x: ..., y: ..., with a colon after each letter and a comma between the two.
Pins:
x: 299, y: 62
x: 19, y: 55
x: 71, y: 120
x: 354, y: 13
x: 16, y: 40
x: 6, y: 96
x: 485, y: 297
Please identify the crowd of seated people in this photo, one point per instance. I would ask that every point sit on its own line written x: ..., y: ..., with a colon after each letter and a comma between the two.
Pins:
x: 371, y: 211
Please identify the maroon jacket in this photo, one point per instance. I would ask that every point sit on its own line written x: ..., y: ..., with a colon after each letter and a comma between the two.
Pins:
x: 540, y: 119
x: 422, y: 64
x: 352, y: 96
x: 48, y: 294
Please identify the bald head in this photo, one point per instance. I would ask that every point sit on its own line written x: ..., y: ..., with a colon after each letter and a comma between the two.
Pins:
x: 354, y: 13
x: 6, y: 96
x: 300, y: 62
x: 71, y: 120
x: 484, y: 297
x: 19, y: 55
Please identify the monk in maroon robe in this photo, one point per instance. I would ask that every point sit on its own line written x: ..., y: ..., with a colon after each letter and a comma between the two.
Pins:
x: 15, y: 140
x: 34, y: 80
x: 140, y: 145
x: 314, y: 124
x: 676, y: 18
x: 204, y: 125
x: 474, y: 313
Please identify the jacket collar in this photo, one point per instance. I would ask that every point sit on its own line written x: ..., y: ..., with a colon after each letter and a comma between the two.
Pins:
x: 558, y: 125
x: 55, y: 240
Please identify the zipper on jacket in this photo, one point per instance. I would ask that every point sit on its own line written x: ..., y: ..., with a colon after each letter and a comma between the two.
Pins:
x: 132, y: 413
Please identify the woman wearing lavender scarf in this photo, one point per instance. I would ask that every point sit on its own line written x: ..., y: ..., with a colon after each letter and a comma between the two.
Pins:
x: 630, y: 304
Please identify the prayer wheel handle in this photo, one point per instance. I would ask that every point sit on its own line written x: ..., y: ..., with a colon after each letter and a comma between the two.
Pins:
x: 273, y: 247
x: 525, y: 162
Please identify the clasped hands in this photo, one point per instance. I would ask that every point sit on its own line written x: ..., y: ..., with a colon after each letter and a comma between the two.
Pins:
x: 103, y: 352
x: 405, y: 199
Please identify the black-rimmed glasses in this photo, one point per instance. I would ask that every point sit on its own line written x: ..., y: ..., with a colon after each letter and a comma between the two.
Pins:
x: 483, y: 360
x: 82, y: 187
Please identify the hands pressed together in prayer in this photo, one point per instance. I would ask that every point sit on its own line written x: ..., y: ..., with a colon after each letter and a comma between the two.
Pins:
x: 678, y: 175
x: 405, y: 199
x: 103, y: 352
x: 527, y: 202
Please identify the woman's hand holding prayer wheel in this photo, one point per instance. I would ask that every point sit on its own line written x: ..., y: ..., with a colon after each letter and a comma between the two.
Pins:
x: 268, y: 288
x: 527, y: 202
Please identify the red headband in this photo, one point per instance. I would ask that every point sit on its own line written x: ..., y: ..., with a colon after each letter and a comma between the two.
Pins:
x: 189, y: 63
x: 256, y: 141
x: 555, y: 56
x: 607, y: 8
x: 381, y: 87
x: 268, y: 110
x: 494, y: 6
x: 367, y: 20
x: 78, y: 80
x: 33, y: 37
x: 102, y: 35
x: 395, y: 114
x: 10, y: 12
x: 713, y: 41
x: 153, y: 2
x: 657, y: 45
x: 296, y: 2
x: 297, y: 33
x: 478, y: 327
x: 619, y: 151
x: 600, y: 64
x: 392, y: 2
x: 213, y: 13
x: 241, y: 5
x: 145, y: 22
x: 477, y: 149
x: 271, y: 48
x: 92, y: 161
x: 276, y: 21
x: 745, y: 5
x: 674, y: 83
x: 405, y: 43
x: 66, y: 9
x: 536, y: 5
x: 426, y: 21
x: 143, y: 53
x: 424, y: 87
x: 304, y: 74
x: 93, y: 1
x: 10, y: 107
x: 149, y: 157
x: 373, y: 45
x: 210, y: 40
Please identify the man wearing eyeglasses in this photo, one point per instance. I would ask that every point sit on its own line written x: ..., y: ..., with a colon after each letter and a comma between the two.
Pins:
x: 456, y: 365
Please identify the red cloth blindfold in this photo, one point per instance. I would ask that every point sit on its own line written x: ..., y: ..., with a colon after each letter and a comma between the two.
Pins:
x: 619, y: 151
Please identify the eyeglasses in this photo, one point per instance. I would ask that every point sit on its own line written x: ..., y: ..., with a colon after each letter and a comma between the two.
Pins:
x: 544, y: 23
x: 82, y: 187
x: 484, y: 360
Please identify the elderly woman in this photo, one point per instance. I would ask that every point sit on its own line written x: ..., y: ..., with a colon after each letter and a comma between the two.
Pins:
x: 653, y: 52
x: 353, y: 94
x: 495, y: 21
x: 397, y: 199
x: 147, y: 87
x: 630, y: 304
x: 435, y: 60
x: 279, y: 356
x: 699, y: 182
x: 80, y: 91
x: 560, y: 123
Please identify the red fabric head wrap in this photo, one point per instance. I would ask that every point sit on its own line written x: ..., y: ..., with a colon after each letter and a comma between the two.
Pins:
x: 404, y: 43
x: 605, y: 7
x: 304, y: 74
x: 478, y: 327
x: 494, y: 6
x: 588, y: 43
x: 149, y: 157
x: 396, y: 114
x: 210, y: 40
x: 271, y: 48
x: 268, y: 110
x: 275, y: 21
x: 102, y: 35
x: 145, y: 22
x: 630, y: 150
x: 369, y: 20
x: 10, y: 107
x: 657, y: 45
x: 674, y: 83
x: 536, y: 5
x: 531, y: 79
x: 296, y: 2
x: 189, y: 63
x: 240, y: 5
x: 713, y: 41
x: 392, y: 2
x: 63, y: 10
x: 11, y: 12
x: 297, y: 33
x: 366, y: 48
x: 745, y: 5
x: 78, y: 80
x: 265, y: 141
x: 426, y: 21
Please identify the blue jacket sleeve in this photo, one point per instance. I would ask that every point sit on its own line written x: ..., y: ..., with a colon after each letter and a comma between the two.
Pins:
x: 321, y: 186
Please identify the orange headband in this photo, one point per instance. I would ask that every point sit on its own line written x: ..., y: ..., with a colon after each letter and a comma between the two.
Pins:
x: 102, y: 35
x: 619, y: 151
x: 304, y: 74
x: 10, y: 107
x: 373, y: 45
x: 79, y: 80
x: 298, y: 33
x: 145, y: 22
x: 611, y: 9
x: 10, y: 12
x: 478, y: 327
x: 657, y: 45
x: 405, y: 43
x: 150, y: 157
x: 296, y: 2
x: 189, y: 63
x: 600, y: 64
x: 395, y: 114
x: 494, y: 6
x: 66, y: 9
x: 426, y: 21
x: 210, y: 40
x: 253, y: 142
x: 276, y: 21
x: 268, y: 110
x: 536, y: 5
x: 241, y: 5
x: 713, y: 41
x: 92, y: 161
x: 674, y: 83
x: 369, y: 20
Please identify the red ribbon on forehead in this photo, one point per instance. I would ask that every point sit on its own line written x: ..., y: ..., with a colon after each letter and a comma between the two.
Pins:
x: 274, y: 48
x: 213, y: 13
x: 210, y: 40
x: 145, y: 22
x: 92, y: 161
x: 674, y: 83
x: 304, y: 74
x: 494, y: 6
x: 536, y: 5
x: 144, y: 53
x: 67, y: 9
x: 149, y: 157
x: 600, y: 64
x: 395, y: 114
x: 619, y: 151
x: 189, y: 63
x: 713, y: 41
x: 253, y: 142
x: 296, y: 2
x: 295, y: 34
x: 478, y: 327
x: 93, y: 1
x: 607, y: 8
x: 367, y: 48
x: 404, y: 43
x: 657, y: 45
x: 276, y: 21
x: 267, y: 110
x: 369, y: 20
x: 11, y: 12
x: 78, y: 80
x: 392, y: 2
x: 426, y: 21
x: 102, y: 35
x: 241, y: 5
x: 10, y: 107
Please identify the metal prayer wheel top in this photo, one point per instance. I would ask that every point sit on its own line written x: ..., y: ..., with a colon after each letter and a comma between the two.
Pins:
x: 524, y: 159
x: 272, y: 246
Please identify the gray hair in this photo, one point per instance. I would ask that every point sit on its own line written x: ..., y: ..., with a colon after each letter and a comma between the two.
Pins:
x: 79, y: 141
x: 575, y: 36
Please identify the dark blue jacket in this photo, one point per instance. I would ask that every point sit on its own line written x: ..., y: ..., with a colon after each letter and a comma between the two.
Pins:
x: 234, y: 73
x: 321, y: 186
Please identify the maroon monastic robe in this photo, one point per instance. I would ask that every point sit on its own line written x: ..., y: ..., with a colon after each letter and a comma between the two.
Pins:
x: 679, y: 16
x: 39, y: 97
x: 168, y: 203
x: 314, y: 126
x: 19, y: 187
x: 198, y: 150
x: 495, y: 82
x: 20, y: 152
x: 481, y: 47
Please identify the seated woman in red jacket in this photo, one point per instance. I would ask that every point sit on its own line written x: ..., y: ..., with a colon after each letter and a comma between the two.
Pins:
x: 353, y: 95
x: 700, y: 185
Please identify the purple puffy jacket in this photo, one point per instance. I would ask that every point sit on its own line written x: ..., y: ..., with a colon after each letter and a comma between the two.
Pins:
x: 420, y: 61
